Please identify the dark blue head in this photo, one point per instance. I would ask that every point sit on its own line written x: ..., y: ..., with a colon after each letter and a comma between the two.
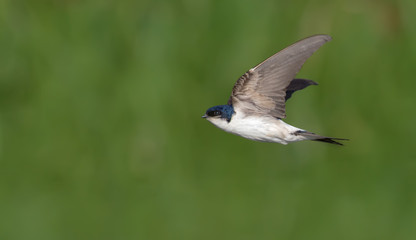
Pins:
x: 222, y: 111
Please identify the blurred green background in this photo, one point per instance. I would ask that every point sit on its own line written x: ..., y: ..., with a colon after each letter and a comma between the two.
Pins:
x: 101, y: 135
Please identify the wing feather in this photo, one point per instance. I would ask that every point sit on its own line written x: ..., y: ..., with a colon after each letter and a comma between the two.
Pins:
x: 262, y: 89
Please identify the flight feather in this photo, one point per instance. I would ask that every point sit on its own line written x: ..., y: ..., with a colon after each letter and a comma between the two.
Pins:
x: 262, y: 89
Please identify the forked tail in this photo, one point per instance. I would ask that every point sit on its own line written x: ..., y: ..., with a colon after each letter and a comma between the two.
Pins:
x: 315, y: 137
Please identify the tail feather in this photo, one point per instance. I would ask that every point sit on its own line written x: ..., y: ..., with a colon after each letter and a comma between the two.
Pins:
x: 315, y: 137
x: 329, y: 140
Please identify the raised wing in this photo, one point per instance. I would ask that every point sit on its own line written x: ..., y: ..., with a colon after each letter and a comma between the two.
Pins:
x: 262, y: 89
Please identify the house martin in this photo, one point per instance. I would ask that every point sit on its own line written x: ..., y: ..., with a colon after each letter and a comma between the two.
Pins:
x: 257, y: 104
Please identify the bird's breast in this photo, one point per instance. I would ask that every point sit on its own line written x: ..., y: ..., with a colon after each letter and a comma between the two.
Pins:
x: 258, y: 128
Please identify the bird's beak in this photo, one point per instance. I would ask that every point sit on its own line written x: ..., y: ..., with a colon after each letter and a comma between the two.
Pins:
x: 205, y: 116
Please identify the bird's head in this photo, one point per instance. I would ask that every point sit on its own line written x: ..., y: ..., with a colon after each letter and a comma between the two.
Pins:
x: 219, y: 113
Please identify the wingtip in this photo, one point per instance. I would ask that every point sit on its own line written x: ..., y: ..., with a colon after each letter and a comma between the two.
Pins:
x: 321, y: 38
x: 313, y: 82
x: 325, y: 37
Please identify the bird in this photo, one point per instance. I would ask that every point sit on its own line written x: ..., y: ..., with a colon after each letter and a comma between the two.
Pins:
x: 256, y: 106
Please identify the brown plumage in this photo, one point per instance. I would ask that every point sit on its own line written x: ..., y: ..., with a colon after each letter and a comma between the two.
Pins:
x: 263, y: 88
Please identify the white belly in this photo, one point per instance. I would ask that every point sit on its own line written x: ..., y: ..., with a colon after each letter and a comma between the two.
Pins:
x: 264, y: 129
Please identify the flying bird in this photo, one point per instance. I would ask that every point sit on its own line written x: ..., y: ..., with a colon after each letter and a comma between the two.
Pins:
x: 256, y: 106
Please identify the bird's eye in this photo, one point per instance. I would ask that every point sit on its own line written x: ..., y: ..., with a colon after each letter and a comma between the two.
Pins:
x: 213, y: 113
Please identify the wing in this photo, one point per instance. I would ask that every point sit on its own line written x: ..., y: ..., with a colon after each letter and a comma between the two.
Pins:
x: 296, y: 85
x: 263, y: 88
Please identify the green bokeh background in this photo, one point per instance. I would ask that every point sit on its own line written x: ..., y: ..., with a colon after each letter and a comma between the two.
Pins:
x: 101, y: 135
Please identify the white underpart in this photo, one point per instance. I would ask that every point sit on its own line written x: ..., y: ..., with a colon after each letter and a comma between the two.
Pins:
x: 264, y: 129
